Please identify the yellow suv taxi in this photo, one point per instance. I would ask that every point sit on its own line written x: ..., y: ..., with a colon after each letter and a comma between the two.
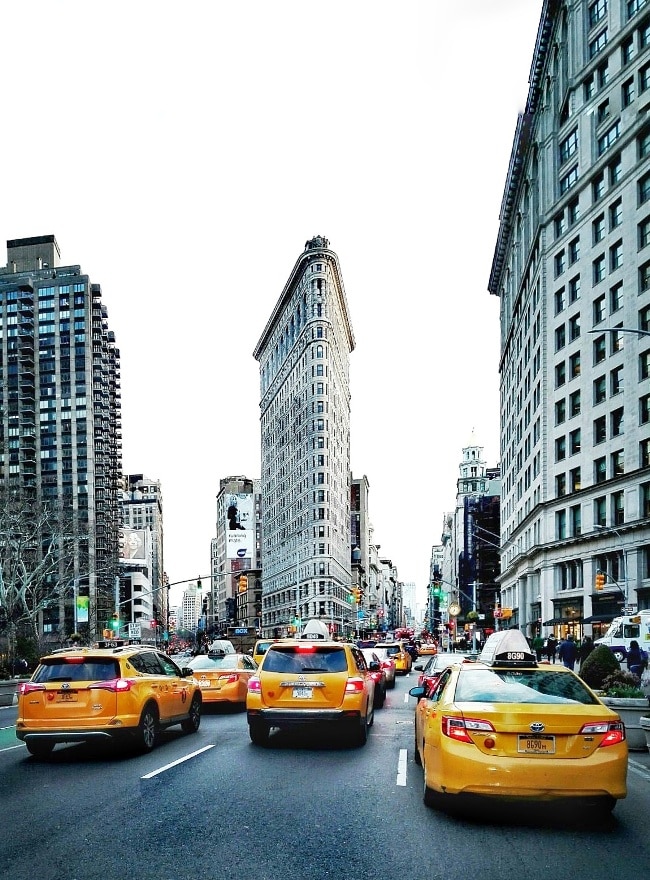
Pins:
x: 397, y: 652
x: 97, y: 694
x: 307, y: 682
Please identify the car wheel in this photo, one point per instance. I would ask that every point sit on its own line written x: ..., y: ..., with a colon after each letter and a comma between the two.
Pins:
x: 192, y: 723
x: 620, y: 656
x: 147, y: 729
x: 601, y: 806
x: 39, y: 749
x: 381, y: 699
x: 392, y: 684
x: 430, y: 797
x: 259, y: 732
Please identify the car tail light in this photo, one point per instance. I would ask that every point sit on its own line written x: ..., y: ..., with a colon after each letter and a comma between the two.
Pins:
x: 254, y: 685
x: 115, y: 685
x: 614, y: 731
x: 354, y: 686
x: 229, y: 678
x: 460, y: 728
x: 28, y: 688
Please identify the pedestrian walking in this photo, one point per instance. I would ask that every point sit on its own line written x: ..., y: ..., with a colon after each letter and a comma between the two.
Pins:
x: 568, y: 652
x: 637, y: 659
x: 551, y: 648
x: 586, y: 648
x: 538, y: 646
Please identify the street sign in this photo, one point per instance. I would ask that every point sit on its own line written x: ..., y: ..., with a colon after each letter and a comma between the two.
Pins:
x: 135, y: 630
x: 630, y: 609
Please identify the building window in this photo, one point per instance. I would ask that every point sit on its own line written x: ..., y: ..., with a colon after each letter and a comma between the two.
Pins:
x: 615, y: 214
x: 616, y: 256
x: 618, y: 463
x: 602, y: 112
x: 644, y: 453
x: 560, y: 300
x: 560, y: 374
x: 599, y: 269
x: 574, y: 365
x: 574, y: 404
x: 618, y: 508
x: 574, y: 327
x: 560, y: 449
x: 598, y: 187
x: 574, y: 478
x: 560, y: 485
x: 568, y: 146
x: 560, y: 337
x: 598, y: 43
x: 644, y: 277
x: 644, y: 188
x: 644, y: 498
x: 616, y: 298
x: 569, y: 179
x: 616, y: 381
x: 574, y: 211
x: 598, y: 228
x: 574, y: 442
x: 575, y: 520
x: 615, y: 170
x: 633, y: 7
x: 644, y: 409
x: 617, y: 422
x: 599, y: 308
x: 644, y: 365
x: 600, y: 470
x: 627, y: 92
x: 600, y: 389
x: 644, y: 318
x: 560, y: 524
x: 560, y: 411
x: 600, y: 430
x: 600, y: 511
x: 627, y: 50
x: 574, y: 289
x: 606, y: 140
x: 559, y: 225
x: 574, y: 251
x: 560, y: 263
x: 597, y: 11
x: 600, y: 350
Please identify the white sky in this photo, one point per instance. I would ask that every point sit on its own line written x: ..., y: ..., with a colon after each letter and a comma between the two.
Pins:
x: 183, y: 153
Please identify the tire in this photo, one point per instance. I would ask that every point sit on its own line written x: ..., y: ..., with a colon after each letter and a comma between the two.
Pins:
x: 193, y: 722
x: 382, y: 699
x: 620, y: 656
x: 148, y: 728
x: 392, y: 684
x: 259, y: 732
x: 430, y: 797
x: 39, y: 749
x: 360, y: 732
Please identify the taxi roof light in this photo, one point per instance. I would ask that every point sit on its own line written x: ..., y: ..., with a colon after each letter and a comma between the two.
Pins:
x: 509, y: 647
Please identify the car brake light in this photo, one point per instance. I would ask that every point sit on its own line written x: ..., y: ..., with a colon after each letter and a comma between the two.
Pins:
x: 354, y: 686
x: 254, y: 685
x: 614, y: 731
x: 116, y: 685
x: 460, y: 728
x: 28, y: 688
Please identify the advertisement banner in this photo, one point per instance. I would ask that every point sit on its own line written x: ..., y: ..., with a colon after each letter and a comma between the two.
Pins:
x: 83, y: 603
x: 240, y: 514
x: 240, y: 544
x: 132, y: 545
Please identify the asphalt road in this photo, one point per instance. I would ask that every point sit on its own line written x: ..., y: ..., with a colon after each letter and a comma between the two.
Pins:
x: 213, y: 805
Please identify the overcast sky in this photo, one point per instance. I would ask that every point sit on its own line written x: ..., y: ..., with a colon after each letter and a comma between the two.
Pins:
x: 183, y: 153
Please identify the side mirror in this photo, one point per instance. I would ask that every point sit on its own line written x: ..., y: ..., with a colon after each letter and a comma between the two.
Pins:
x: 418, y: 666
x: 374, y: 665
x: 187, y: 671
x: 418, y: 692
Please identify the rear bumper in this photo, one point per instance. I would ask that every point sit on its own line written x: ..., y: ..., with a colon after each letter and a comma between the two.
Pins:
x: 71, y: 736
x: 303, y: 717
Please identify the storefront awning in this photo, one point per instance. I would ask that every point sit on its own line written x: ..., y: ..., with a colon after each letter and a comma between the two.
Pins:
x: 556, y: 621
x: 599, y: 618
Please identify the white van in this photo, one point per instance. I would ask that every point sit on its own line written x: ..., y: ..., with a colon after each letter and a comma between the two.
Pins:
x: 622, y: 630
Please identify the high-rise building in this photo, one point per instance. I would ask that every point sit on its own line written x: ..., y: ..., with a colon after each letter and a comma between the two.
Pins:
x: 572, y: 269
x: 60, y: 418
x: 303, y: 354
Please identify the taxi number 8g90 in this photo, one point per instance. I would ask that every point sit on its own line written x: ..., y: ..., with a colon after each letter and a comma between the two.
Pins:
x: 515, y: 655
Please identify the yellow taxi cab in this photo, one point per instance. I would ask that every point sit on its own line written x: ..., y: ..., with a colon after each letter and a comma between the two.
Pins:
x: 308, y: 682
x: 505, y: 727
x: 397, y: 651
x: 223, y: 677
x: 127, y: 692
x: 427, y: 650
x: 260, y: 649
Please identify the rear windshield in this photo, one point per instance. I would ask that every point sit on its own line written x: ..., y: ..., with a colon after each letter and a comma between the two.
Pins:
x: 391, y: 650
x: 205, y: 662
x: 520, y: 686
x: 67, y: 670
x: 262, y: 647
x: 305, y: 659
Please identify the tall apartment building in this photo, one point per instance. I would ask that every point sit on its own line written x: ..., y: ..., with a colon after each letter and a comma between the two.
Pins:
x: 572, y: 269
x: 303, y: 354
x: 60, y: 416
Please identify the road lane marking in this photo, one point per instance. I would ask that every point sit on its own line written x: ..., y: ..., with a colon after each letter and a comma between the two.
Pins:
x: 401, y: 768
x: 175, y: 763
x: 9, y: 748
x: 638, y: 769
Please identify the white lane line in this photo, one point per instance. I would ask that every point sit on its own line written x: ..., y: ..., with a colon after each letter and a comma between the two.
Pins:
x: 638, y: 769
x: 174, y: 763
x: 406, y: 697
x: 401, y: 768
x: 9, y: 748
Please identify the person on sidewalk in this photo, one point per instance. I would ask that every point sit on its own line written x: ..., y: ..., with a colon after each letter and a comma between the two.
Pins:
x: 568, y: 651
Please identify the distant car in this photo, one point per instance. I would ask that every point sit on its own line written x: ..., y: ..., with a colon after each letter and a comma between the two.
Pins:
x: 426, y: 650
x: 223, y: 677
x: 435, y: 665
x: 378, y: 673
x: 388, y: 665
x: 508, y: 728
x: 306, y: 683
x: 100, y: 694
x: 402, y: 658
x: 260, y: 649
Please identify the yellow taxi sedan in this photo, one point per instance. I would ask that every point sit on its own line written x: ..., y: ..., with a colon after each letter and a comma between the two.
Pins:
x: 397, y: 652
x: 508, y: 728
x: 223, y: 678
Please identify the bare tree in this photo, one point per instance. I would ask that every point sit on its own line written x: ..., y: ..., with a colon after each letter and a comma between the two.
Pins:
x: 37, y: 558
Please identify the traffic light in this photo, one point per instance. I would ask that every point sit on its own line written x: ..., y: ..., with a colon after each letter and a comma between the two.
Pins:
x: 600, y: 580
x: 437, y: 588
x: 243, y: 583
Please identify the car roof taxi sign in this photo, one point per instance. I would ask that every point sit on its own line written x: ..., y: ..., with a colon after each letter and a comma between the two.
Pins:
x: 507, y: 648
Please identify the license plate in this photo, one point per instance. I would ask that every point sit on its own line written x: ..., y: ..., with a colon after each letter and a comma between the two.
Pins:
x: 204, y: 683
x: 67, y: 697
x: 302, y: 693
x: 536, y: 745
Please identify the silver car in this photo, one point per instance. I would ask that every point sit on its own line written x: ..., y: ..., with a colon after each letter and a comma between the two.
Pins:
x: 387, y: 664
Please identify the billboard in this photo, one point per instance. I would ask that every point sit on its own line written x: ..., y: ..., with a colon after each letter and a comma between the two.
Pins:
x: 240, y: 514
x: 240, y: 544
x: 133, y: 545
